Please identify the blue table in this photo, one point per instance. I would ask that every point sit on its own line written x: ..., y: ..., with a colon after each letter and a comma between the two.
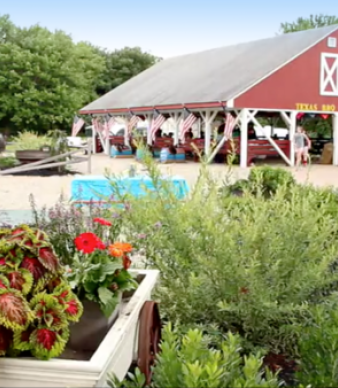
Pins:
x: 98, y: 188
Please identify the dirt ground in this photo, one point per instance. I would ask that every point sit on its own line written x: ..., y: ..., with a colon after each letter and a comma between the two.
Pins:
x: 15, y: 190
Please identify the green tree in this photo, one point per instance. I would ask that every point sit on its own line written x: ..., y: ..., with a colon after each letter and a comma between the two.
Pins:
x: 314, y: 21
x: 121, y: 65
x: 44, y: 77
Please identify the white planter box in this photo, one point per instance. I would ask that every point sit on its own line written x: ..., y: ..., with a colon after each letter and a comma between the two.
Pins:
x: 115, y: 354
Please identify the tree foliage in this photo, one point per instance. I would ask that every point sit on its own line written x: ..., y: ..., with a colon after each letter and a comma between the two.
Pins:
x: 313, y: 21
x: 45, y: 77
x: 121, y: 65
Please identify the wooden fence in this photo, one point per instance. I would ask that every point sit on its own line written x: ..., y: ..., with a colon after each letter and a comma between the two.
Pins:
x: 53, y: 161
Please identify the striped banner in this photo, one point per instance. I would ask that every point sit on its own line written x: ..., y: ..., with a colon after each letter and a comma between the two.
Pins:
x: 189, y: 120
x: 156, y: 123
x: 132, y: 123
x: 229, y: 125
x: 78, y: 123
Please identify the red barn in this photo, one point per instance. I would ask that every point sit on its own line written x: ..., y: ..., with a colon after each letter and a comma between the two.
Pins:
x: 291, y: 73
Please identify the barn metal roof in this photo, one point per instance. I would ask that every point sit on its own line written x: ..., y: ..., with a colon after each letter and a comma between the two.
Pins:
x: 214, y: 75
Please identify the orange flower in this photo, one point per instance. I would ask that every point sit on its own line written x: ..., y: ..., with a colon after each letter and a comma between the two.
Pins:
x: 125, y: 247
x: 115, y: 252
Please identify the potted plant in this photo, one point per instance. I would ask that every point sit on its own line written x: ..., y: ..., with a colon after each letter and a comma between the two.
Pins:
x: 98, y: 275
x: 36, y: 302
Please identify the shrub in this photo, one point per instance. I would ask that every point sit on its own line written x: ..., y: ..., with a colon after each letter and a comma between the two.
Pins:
x: 7, y: 162
x: 244, y: 263
x: 27, y: 140
x: 318, y: 347
x: 36, y: 302
x: 269, y: 179
x: 188, y: 361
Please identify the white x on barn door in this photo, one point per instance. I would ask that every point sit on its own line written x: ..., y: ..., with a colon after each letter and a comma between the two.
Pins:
x: 329, y: 74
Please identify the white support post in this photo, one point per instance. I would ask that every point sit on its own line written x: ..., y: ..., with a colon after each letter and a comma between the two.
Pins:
x: 176, y: 118
x: 244, y: 138
x: 107, y: 146
x: 285, y: 118
x: 150, y: 120
x: 292, y: 131
x: 335, y: 139
x: 272, y: 142
x: 208, y: 119
x: 290, y: 122
x: 94, y: 140
x: 222, y: 141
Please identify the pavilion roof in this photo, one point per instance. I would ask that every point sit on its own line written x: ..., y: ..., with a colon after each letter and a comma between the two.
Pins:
x: 214, y: 75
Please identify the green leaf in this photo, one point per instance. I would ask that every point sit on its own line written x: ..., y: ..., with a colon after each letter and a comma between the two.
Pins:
x: 111, y: 268
x: 108, y: 301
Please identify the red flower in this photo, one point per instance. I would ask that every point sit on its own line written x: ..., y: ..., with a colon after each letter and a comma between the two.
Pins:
x: 102, y: 221
x: 100, y: 245
x: 88, y: 242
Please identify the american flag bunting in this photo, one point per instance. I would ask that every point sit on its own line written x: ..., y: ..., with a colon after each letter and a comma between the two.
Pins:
x: 156, y: 123
x: 78, y: 123
x: 229, y: 125
x: 189, y: 120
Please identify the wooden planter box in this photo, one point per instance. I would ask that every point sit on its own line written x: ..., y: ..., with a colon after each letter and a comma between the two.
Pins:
x: 115, y: 354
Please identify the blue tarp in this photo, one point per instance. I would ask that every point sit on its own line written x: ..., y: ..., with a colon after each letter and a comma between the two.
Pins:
x: 99, y: 188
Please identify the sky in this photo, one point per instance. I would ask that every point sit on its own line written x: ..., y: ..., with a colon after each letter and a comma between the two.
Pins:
x: 164, y: 28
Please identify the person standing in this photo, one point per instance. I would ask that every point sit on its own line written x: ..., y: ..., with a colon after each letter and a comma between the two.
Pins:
x: 300, y: 142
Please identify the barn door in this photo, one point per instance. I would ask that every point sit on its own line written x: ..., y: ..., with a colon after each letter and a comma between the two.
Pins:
x: 329, y: 74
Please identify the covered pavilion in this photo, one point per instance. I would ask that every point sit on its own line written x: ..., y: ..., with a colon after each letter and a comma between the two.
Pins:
x: 286, y: 74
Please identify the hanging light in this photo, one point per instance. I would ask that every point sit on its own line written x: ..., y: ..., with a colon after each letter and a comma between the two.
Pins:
x: 299, y: 115
x: 324, y: 116
x: 311, y: 115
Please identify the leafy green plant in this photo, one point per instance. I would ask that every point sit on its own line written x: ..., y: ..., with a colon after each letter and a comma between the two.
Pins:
x: 36, y: 302
x: 247, y: 264
x: 268, y: 179
x: 27, y: 140
x: 7, y: 162
x: 99, y: 270
x: 318, y: 347
x: 188, y: 361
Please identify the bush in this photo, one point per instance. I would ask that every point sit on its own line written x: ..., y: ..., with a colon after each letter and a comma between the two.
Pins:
x: 188, y: 361
x: 27, y: 140
x: 264, y: 180
x: 249, y: 265
x: 318, y: 347
x: 36, y: 302
x: 270, y: 178
x: 7, y: 162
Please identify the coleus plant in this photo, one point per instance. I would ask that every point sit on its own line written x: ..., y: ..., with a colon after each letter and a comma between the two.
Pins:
x: 36, y: 301
x: 99, y: 271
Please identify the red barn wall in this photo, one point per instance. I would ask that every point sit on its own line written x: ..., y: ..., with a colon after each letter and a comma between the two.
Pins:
x: 295, y: 86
